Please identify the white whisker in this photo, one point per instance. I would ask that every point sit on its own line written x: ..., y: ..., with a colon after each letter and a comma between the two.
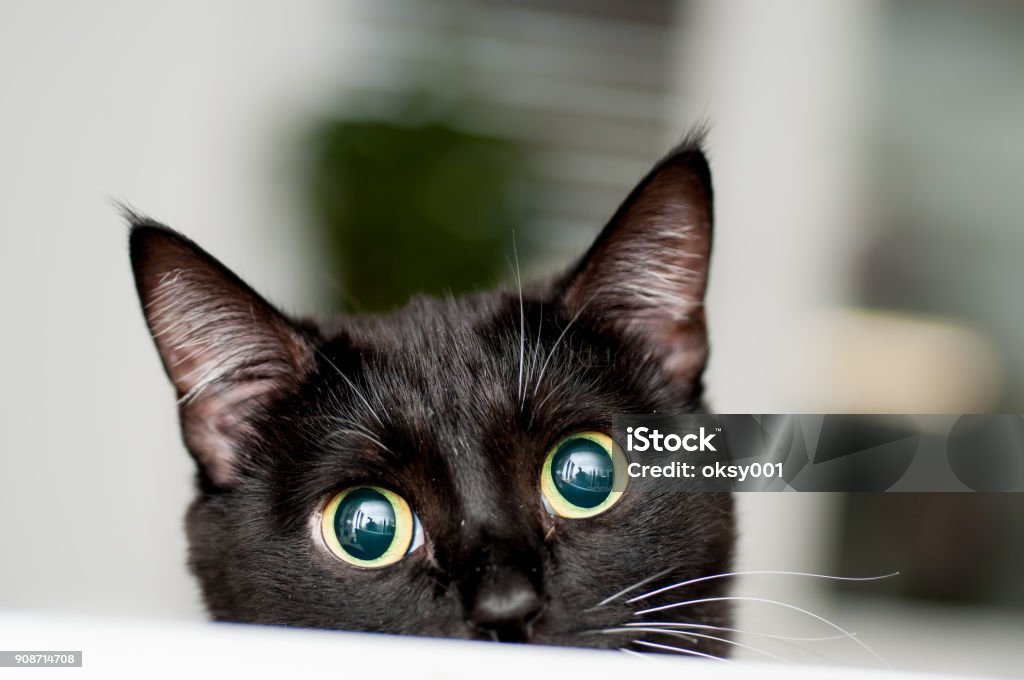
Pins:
x: 535, y: 354
x: 357, y: 432
x: 691, y: 635
x: 551, y: 353
x: 751, y: 573
x: 352, y: 386
x: 704, y: 626
x: 736, y: 598
x: 621, y: 629
x: 521, y: 392
x: 636, y: 585
x: 784, y: 639
x: 554, y: 389
x: 645, y: 657
x: 655, y: 645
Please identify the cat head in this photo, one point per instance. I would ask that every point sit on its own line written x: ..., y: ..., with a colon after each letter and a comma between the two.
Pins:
x: 393, y: 472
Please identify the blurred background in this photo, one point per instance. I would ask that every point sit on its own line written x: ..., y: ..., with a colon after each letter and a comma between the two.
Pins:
x: 868, y: 158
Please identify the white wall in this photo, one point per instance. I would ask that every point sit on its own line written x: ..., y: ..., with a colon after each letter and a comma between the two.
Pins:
x: 183, y: 110
x: 783, y: 85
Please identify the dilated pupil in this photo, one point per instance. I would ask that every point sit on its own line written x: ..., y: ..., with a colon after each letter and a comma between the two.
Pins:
x: 583, y: 472
x: 365, y: 524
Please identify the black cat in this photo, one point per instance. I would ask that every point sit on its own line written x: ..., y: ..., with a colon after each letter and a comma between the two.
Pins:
x: 446, y: 469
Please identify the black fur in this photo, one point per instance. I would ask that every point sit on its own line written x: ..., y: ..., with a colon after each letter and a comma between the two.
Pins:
x: 433, y: 402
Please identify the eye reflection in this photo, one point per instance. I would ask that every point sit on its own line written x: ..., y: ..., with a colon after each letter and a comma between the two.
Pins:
x: 579, y: 476
x: 583, y: 472
x: 365, y: 524
x: 370, y: 527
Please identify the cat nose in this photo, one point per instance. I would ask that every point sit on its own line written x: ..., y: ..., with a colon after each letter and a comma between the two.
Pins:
x: 505, y: 606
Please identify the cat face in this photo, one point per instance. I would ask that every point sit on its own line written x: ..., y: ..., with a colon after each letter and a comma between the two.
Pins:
x: 386, y: 473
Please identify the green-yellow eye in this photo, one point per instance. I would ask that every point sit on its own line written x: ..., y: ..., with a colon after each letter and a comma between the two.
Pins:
x: 583, y: 475
x: 368, y: 526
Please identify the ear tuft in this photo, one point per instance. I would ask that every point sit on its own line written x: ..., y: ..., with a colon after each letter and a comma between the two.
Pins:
x: 226, y: 350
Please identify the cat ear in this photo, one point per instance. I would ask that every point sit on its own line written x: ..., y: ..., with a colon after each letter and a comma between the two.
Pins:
x: 645, y: 275
x: 226, y: 349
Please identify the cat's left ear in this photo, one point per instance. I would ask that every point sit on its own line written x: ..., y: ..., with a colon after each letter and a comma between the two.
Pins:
x: 646, y: 274
x: 226, y: 349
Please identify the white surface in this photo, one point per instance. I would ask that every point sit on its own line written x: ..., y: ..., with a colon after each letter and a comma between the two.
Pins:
x: 127, y: 648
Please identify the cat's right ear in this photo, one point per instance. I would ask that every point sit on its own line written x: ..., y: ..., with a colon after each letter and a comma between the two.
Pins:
x: 645, y: 275
x: 226, y: 349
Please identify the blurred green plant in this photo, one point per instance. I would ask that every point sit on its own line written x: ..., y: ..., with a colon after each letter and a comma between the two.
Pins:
x: 414, y: 208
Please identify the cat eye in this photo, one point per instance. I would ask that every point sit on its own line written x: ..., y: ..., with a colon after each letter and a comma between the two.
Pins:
x: 368, y: 526
x: 580, y: 474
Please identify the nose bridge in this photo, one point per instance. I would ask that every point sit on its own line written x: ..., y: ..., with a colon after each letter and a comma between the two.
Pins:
x: 498, y: 532
x: 501, y: 546
x: 503, y: 582
x: 497, y: 554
